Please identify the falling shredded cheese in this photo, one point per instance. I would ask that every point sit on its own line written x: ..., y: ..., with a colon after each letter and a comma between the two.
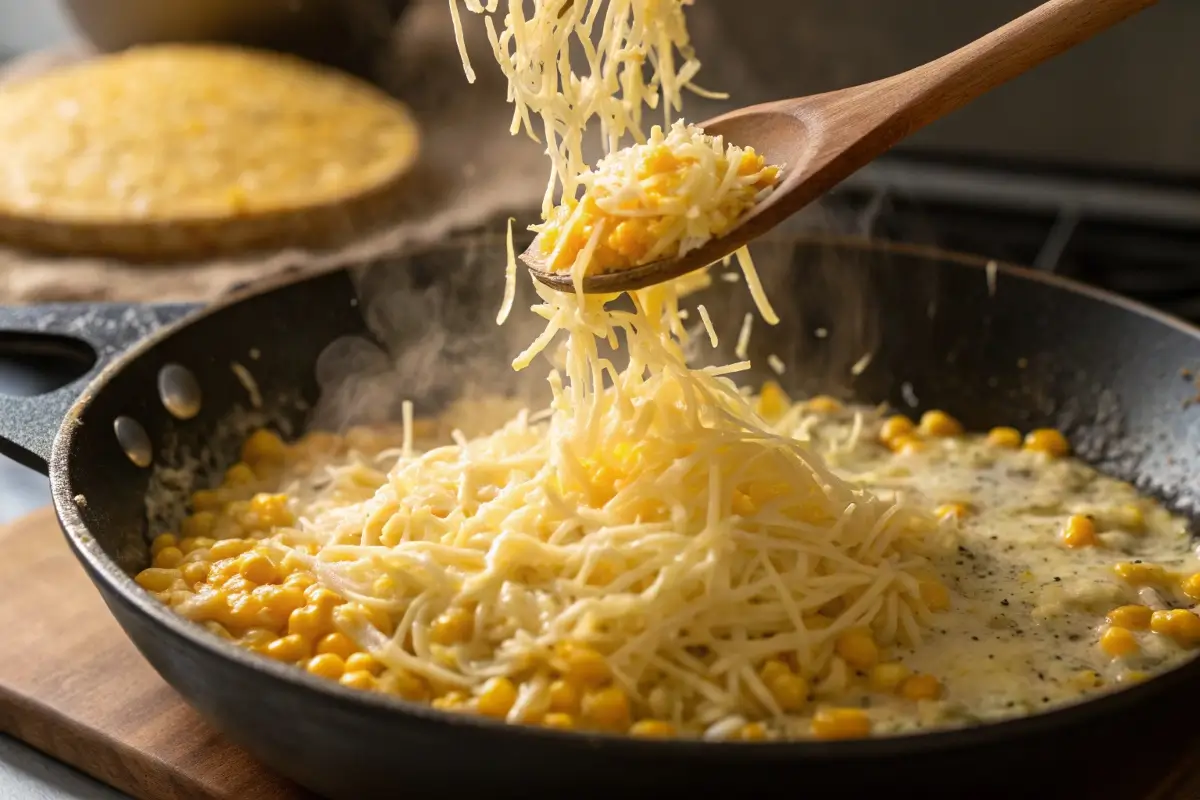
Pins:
x: 743, y: 340
x: 708, y: 326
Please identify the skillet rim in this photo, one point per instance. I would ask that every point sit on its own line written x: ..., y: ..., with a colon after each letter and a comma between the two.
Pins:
x: 103, y: 569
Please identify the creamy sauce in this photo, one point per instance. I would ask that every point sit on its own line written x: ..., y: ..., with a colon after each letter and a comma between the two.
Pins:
x: 1027, y: 612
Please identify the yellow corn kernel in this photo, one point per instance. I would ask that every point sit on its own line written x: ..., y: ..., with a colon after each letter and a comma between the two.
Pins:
x: 239, y: 475
x: 1191, y: 586
x: 1008, y: 438
x: 1118, y: 642
x: 858, y: 649
x: 199, y: 524
x: 1132, y: 676
x: 263, y: 446
x: 906, y: 445
x: 921, y: 687
x: 1177, y: 623
x: 789, y: 690
x: 292, y: 647
x: 1140, y: 574
x: 206, y: 500
x: 301, y: 580
x: 403, y: 683
x: 309, y: 621
x: 952, y: 511
x: 582, y: 664
x: 752, y: 732
x: 191, y: 544
x: 1048, y: 441
x: 257, y: 568
x: 559, y: 720
x: 652, y: 729
x: 323, y: 598
x: 773, y: 402
x: 1079, y: 531
x: 935, y: 595
x: 257, y: 639
x: 157, y: 579
x: 168, y: 558
x: 888, y: 677
x: 161, y: 542
x: 281, y: 601
x: 195, y: 573
x: 450, y: 701
x: 271, y: 510
x: 337, y: 644
x: 607, y: 708
x: 229, y: 548
x: 217, y: 629
x: 497, y: 697
x: 772, y: 669
x: 894, y: 427
x: 841, y: 723
x: 939, y: 423
x: 326, y: 665
x: 1134, y: 618
x: 564, y: 696
x: 823, y: 404
x: 358, y: 679
x: 364, y: 662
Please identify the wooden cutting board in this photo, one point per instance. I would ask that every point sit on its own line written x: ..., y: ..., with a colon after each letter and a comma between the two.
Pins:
x: 73, y: 686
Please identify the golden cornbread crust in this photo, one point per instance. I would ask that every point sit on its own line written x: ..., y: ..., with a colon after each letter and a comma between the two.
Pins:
x: 181, y: 151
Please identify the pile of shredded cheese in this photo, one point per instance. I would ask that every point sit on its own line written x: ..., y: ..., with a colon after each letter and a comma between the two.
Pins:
x: 649, y: 513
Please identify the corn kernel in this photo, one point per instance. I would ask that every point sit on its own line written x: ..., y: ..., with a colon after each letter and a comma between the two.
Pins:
x: 1179, y: 624
x: 168, y: 558
x: 263, y: 446
x: 309, y: 621
x: 1118, y: 642
x: 257, y: 639
x: 323, y: 598
x: 364, y: 662
x: 823, y: 404
x: 199, y: 524
x: 1132, y: 676
x: 161, y: 542
x: 921, y: 687
x: 652, y: 729
x: 1140, y: 574
x: 301, y: 580
x: 1048, y: 441
x: 404, y: 684
x: 841, y: 723
x: 1134, y: 618
x: 888, y: 677
x: 292, y: 647
x: 337, y: 644
x: 858, y: 649
x: 773, y: 402
x: 939, y: 423
x: 935, y: 595
x: 358, y: 679
x: 582, y: 664
x: 497, y: 697
x: 1008, y: 438
x: 559, y: 720
x: 257, y: 568
x: 326, y: 665
x: 752, y: 732
x: 239, y: 475
x: 564, y: 697
x: 206, y: 500
x: 193, y: 543
x: 906, y: 445
x: 217, y: 629
x: 772, y: 669
x: 1079, y: 531
x: 790, y: 691
x: 156, y: 579
x: 607, y: 708
x: 894, y: 427
x: 281, y: 601
x: 1191, y: 586
x: 195, y: 573
x: 954, y: 511
x: 271, y: 510
x: 229, y: 548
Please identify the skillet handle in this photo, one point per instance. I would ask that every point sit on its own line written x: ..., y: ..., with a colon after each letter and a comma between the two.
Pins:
x: 29, y: 425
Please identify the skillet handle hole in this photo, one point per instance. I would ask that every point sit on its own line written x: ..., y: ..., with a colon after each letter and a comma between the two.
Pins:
x: 33, y: 364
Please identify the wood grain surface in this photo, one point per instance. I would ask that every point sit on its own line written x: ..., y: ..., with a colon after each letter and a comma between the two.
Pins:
x: 73, y: 686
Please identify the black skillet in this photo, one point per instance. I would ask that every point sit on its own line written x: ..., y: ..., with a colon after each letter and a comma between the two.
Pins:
x: 1025, y: 349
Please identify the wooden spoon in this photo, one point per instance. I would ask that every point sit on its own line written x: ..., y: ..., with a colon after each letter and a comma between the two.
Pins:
x: 822, y: 139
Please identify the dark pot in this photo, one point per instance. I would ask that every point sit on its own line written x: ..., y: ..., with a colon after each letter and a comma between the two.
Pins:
x: 348, y: 34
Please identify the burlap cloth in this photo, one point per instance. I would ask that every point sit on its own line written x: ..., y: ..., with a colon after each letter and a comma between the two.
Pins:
x: 470, y: 172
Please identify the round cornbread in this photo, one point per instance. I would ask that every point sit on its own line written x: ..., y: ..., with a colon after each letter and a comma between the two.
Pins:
x: 174, y: 152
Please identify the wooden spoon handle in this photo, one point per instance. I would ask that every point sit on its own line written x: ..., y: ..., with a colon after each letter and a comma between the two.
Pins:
x: 935, y: 89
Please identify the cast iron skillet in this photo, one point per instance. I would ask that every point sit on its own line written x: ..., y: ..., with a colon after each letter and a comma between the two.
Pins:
x: 1035, y: 351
